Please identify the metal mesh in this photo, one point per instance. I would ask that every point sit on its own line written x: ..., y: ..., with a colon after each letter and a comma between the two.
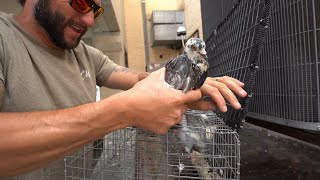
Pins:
x: 135, y: 154
x: 287, y: 90
x: 234, y: 48
x: 213, y: 12
x: 111, y: 157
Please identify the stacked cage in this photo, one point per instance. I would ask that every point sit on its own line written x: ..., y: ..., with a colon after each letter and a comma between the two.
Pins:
x: 234, y: 47
x: 288, y: 90
x: 135, y: 154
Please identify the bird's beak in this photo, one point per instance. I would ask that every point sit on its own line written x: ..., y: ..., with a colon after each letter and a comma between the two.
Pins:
x: 203, y: 53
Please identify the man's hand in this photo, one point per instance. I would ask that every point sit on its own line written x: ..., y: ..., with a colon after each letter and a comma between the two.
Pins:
x: 154, y: 106
x: 220, y: 89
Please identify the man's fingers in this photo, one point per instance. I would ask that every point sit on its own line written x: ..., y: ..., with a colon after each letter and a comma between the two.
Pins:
x: 230, y: 83
x: 202, y: 105
x: 216, y: 96
x: 238, y: 82
x: 229, y: 96
x: 192, y: 96
x: 225, y: 79
x: 225, y: 93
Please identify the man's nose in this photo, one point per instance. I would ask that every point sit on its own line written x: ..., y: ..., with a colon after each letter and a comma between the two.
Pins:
x: 88, y: 18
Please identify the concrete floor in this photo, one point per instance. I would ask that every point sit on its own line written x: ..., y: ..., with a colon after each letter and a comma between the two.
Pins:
x: 267, y: 155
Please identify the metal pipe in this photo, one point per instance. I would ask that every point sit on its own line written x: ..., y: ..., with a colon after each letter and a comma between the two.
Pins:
x: 145, y: 32
x: 316, y: 56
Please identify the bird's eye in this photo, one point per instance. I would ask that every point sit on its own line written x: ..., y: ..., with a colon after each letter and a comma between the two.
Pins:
x: 203, y: 45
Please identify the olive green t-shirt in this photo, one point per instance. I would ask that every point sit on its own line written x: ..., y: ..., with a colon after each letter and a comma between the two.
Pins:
x: 36, y: 77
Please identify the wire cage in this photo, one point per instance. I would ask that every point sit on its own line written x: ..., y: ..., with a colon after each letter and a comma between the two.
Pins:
x: 135, y: 154
x: 234, y: 47
x: 287, y: 89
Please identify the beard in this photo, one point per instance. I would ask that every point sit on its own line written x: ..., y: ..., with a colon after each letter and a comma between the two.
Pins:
x: 54, y: 22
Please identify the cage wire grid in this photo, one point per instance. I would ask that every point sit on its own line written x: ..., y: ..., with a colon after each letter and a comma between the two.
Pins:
x: 136, y: 154
x: 287, y: 90
x: 133, y: 153
x: 234, y: 48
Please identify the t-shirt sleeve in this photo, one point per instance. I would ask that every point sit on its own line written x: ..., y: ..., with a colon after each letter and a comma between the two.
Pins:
x: 104, y: 68
x: 101, y: 64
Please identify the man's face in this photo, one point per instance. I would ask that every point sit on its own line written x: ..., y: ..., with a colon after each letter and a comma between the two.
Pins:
x: 65, y: 33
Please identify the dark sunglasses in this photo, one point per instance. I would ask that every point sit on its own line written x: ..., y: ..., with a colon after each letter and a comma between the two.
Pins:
x: 85, y: 6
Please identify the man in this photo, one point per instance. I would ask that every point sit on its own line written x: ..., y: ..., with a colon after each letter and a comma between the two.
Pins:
x: 47, y: 88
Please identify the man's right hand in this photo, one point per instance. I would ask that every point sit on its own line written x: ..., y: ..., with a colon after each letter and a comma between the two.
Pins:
x: 156, y: 107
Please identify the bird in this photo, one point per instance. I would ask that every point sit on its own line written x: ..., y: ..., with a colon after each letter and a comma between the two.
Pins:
x: 189, y: 137
x: 188, y: 71
x: 195, y: 133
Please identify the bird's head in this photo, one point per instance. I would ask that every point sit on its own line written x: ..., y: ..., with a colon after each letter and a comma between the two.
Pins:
x: 195, y: 49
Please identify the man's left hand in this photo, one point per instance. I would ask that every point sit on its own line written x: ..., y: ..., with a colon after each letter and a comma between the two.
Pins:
x: 220, y: 90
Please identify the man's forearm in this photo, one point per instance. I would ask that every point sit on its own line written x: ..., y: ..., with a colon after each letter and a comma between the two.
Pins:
x: 31, y: 140
x: 142, y: 75
x: 123, y: 78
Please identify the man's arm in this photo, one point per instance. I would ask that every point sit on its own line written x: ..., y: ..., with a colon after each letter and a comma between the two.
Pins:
x: 220, y: 89
x: 123, y: 78
x: 31, y: 140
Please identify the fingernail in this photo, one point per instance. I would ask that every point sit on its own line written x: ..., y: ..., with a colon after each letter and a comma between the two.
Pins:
x: 224, y: 109
x: 243, y: 92
x: 237, y: 105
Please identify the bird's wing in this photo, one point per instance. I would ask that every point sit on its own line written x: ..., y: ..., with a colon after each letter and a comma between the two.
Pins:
x: 199, y: 77
x: 197, y: 126
x: 178, y: 73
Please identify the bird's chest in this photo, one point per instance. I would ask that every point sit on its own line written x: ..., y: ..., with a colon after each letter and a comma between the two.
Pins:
x: 199, y: 65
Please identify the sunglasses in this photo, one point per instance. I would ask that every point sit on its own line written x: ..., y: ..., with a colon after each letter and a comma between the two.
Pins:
x: 85, y: 6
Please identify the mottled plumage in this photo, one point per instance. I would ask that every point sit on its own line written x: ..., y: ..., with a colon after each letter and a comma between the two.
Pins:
x: 189, y: 137
x: 195, y: 133
x: 186, y: 72
x: 189, y: 70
